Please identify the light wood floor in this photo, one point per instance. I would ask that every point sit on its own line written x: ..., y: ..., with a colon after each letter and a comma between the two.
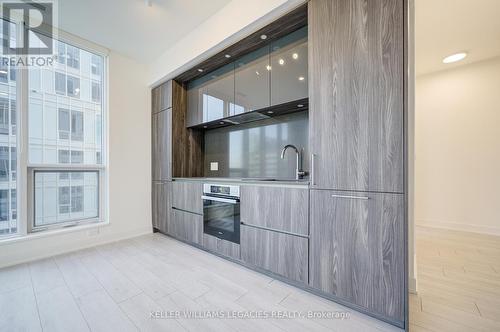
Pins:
x: 115, y: 287
x: 458, y: 277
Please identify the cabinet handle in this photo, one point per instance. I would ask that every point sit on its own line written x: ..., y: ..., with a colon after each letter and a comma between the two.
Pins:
x: 351, y: 197
x: 313, y: 157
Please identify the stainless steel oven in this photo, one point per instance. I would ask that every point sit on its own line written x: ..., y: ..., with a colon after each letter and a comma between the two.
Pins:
x: 221, y: 211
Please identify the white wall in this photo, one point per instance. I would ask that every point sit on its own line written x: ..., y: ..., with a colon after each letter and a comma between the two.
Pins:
x: 129, y: 170
x: 233, y: 22
x: 458, y: 148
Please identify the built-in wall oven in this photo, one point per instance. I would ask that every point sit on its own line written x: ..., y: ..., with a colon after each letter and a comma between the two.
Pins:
x: 221, y: 211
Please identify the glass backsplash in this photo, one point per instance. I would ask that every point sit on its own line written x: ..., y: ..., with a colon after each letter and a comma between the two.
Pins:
x: 253, y: 150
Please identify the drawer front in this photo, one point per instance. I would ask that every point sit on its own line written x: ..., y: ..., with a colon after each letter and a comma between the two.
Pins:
x: 279, y: 253
x: 280, y: 208
x: 222, y: 247
x: 187, y: 226
x: 186, y: 196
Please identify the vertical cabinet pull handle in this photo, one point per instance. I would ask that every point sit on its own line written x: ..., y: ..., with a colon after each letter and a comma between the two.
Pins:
x: 351, y: 197
x: 313, y: 157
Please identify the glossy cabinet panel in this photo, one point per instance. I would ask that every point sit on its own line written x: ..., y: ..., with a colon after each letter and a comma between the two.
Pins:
x: 251, y: 82
x: 289, y: 76
x: 211, y: 96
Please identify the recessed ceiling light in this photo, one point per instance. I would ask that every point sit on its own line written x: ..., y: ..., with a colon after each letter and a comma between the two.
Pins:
x: 455, y: 57
x: 301, y: 78
x: 3, y: 71
x: 227, y: 56
x: 281, y: 62
x: 257, y: 73
x: 222, y: 122
x: 205, y: 127
x: 268, y: 67
x: 300, y: 105
x: 295, y: 56
x: 200, y: 70
x: 263, y: 37
x: 270, y: 112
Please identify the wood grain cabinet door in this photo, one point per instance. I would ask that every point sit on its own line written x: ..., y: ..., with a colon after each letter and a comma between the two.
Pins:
x: 161, y: 206
x: 186, y: 196
x: 356, y: 101
x: 187, y: 226
x: 162, y: 145
x: 357, y: 249
x: 166, y: 95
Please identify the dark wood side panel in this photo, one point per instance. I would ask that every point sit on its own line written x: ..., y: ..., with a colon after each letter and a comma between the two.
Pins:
x: 187, y: 226
x: 161, y: 144
x: 285, y: 209
x: 187, y: 159
x: 279, y: 253
x: 357, y: 249
x: 356, y: 94
x: 186, y: 195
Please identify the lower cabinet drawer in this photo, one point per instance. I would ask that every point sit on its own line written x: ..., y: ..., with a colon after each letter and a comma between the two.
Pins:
x: 277, y: 252
x: 187, y: 226
x: 222, y: 247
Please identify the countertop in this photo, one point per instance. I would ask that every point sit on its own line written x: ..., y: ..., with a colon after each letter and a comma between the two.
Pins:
x: 249, y: 181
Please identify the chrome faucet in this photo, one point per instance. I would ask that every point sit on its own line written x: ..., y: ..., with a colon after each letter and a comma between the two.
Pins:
x: 299, y: 173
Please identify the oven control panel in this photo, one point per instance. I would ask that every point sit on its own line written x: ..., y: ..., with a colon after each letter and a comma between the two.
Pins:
x: 221, y: 189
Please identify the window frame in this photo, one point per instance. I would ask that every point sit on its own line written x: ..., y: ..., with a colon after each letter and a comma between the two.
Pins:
x: 25, y: 171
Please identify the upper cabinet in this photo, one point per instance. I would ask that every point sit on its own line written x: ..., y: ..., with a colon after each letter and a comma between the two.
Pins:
x: 161, y: 97
x: 289, y: 68
x: 269, y: 76
x: 356, y: 94
x: 251, y: 82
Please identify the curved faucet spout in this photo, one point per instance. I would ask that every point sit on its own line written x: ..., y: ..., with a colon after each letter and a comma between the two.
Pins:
x: 299, y: 173
x: 287, y: 147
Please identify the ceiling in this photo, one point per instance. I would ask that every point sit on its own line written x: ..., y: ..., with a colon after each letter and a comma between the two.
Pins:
x: 131, y: 27
x: 445, y: 27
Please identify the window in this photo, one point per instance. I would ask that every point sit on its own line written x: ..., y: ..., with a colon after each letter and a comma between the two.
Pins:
x: 68, y: 169
x: 4, y: 116
x: 96, y: 64
x: 8, y: 139
x: 63, y: 123
x: 61, y: 53
x: 60, y: 83
x: 96, y: 92
x: 73, y: 59
x: 73, y: 87
x: 77, y: 126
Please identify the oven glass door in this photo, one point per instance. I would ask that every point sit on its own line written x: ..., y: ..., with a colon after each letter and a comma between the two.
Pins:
x: 221, y: 217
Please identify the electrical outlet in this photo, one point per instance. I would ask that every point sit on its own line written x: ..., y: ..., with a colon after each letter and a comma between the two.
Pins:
x: 214, y: 166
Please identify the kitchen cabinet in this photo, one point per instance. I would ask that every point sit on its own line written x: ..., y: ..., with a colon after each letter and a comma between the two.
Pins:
x: 221, y: 247
x: 279, y: 208
x: 211, y: 96
x: 161, y: 201
x: 276, y: 252
x: 269, y: 76
x: 357, y: 249
x: 161, y: 97
x: 251, y: 82
x: 356, y: 74
x: 186, y: 196
x: 289, y: 74
x: 161, y: 136
x: 187, y: 226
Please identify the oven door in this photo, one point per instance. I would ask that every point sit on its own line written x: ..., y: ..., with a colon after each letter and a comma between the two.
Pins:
x: 221, y: 217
